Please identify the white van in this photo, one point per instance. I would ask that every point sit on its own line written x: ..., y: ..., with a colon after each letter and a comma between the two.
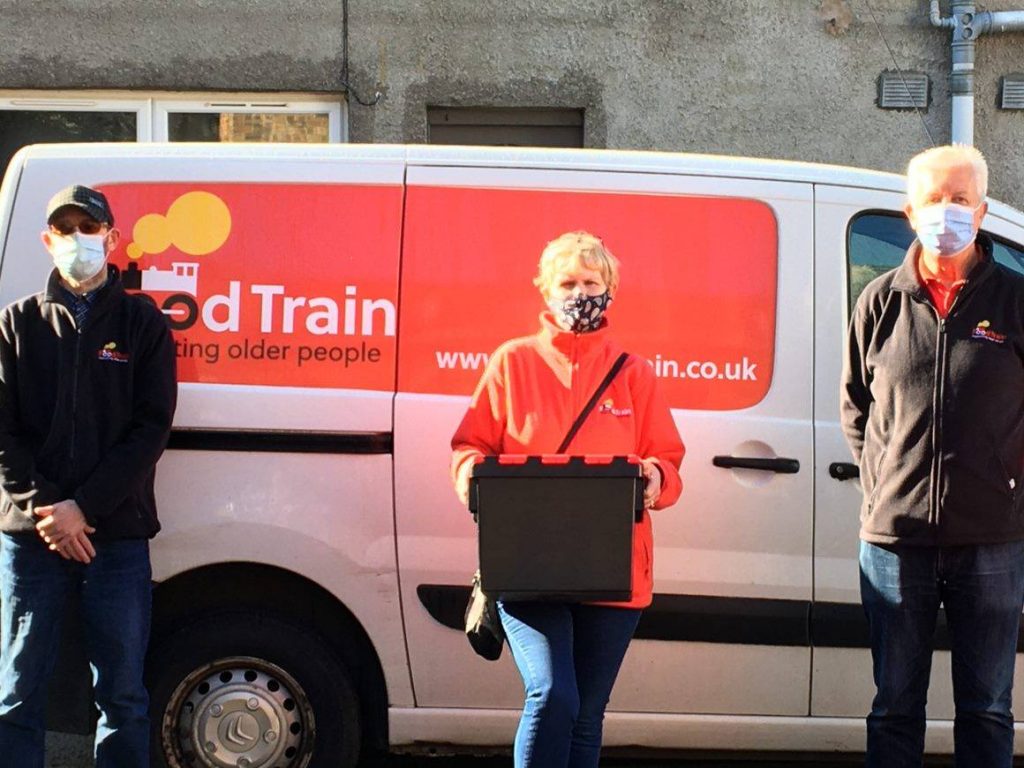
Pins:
x: 334, y: 307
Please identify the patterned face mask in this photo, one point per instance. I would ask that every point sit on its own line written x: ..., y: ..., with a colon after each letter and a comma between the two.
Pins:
x: 580, y: 314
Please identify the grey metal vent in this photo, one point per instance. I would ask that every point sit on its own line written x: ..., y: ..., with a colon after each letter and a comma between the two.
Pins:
x: 1011, y: 91
x: 506, y: 127
x: 907, y: 90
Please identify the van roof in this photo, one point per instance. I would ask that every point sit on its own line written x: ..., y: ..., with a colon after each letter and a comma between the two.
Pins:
x: 515, y: 157
x: 433, y: 154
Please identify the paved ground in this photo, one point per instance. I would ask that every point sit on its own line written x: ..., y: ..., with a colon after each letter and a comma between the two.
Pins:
x: 75, y: 752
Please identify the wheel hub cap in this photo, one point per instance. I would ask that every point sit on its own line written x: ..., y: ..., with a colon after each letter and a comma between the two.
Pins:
x: 239, y: 713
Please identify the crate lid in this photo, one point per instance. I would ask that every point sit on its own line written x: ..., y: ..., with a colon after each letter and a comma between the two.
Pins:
x: 557, y: 465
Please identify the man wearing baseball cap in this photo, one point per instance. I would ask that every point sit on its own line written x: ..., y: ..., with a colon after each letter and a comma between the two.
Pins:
x: 87, y: 395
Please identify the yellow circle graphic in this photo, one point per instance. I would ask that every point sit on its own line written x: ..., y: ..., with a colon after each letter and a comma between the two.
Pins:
x: 199, y: 222
x: 152, y: 233
x: 134, y: 252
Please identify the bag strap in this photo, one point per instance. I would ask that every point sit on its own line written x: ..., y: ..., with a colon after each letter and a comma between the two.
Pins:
x: 621, y: 361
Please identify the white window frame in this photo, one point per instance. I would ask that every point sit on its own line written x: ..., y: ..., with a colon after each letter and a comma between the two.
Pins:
x: 162, y: 108
x: 152, y: 109
x: 54, y: 102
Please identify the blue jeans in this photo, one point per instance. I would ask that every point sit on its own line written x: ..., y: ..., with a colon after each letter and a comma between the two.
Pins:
x: 982, y: 589
x: 569, y: 657
x: 116, y: 597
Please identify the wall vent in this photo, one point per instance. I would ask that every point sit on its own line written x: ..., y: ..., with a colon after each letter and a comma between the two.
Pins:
x: 906, y: 90
x: 1011, y: 91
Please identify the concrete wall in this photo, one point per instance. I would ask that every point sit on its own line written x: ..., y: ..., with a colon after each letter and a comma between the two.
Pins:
x: 752, y: 77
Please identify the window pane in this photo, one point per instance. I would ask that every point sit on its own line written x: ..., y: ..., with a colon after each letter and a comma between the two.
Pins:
x: 21, y: 127
x: 878, y: 243
x: 193, y: 126
x: 1009, y: 254
x: 243, y: 126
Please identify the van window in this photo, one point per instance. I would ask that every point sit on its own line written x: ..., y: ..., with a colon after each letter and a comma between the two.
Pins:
x: 878, y: 241
x: 1010, y: 254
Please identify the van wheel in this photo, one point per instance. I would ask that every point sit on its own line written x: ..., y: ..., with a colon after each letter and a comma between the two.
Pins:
x: 247, y: 690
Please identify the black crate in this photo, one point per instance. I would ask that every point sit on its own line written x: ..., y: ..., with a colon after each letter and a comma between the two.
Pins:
x: 557, y: 527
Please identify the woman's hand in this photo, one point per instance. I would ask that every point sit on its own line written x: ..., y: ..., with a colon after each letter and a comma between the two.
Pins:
x: 652, y: 482
x: 462, y: 482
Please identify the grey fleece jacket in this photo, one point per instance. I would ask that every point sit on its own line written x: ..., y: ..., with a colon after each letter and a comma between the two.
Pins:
x: 933, y: 409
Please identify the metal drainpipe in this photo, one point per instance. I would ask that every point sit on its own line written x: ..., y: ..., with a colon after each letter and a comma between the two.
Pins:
x: 968, y: 26
x: 1000, y: 21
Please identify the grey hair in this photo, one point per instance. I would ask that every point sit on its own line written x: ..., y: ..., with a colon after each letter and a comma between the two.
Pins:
x: 948, y: 155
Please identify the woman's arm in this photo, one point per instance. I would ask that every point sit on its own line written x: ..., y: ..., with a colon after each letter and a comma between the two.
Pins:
x: 482, y: 429
x: 658, y: 441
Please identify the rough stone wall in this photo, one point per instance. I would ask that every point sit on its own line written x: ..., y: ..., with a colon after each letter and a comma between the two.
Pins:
x: 770, y: 78
x: 764, y: 78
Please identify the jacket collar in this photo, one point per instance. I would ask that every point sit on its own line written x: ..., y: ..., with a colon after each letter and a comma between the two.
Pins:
x: 908, y: 280
x: 54, y: 293
x: 569, y: 343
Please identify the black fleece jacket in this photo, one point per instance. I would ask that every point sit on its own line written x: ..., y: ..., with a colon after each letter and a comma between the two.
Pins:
x: 84, y: 412
x: 933, y: 409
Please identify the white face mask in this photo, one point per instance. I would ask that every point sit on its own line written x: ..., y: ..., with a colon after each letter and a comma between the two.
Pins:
x: 78, y: 257
x: 946, y: 228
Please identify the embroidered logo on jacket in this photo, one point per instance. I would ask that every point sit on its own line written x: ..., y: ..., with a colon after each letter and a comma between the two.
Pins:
x: 110, y: 353
x: 982, y: 332
x: 608, y: 406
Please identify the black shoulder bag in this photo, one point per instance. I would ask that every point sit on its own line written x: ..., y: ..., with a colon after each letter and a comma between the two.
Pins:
x: 483, y: 625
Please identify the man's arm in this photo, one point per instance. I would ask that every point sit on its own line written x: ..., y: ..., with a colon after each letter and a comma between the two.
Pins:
x: 19, y: 477
x: 130, y: 459
x: 855, y: 391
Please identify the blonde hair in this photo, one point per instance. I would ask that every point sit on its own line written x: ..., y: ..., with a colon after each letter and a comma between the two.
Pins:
x: 950, y: 155
x: 574, y: 249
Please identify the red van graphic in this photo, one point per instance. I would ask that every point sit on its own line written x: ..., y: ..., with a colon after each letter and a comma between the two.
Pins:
x: 268, y: 284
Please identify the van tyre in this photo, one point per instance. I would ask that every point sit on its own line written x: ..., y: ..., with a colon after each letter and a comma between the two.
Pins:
x: 249, y: 687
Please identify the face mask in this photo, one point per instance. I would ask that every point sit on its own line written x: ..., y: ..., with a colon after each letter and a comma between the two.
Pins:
x: 78, y: 257
x: 946, y: 229
x: 580, y: 313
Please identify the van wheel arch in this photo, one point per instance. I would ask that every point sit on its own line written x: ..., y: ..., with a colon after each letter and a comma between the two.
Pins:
x: 237, y: 588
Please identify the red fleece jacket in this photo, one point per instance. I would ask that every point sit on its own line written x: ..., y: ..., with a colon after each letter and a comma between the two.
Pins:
x: 534, y: 388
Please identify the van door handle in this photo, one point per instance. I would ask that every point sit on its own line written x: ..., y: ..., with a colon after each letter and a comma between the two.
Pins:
x: 843, y: 470
x: 782, y: 466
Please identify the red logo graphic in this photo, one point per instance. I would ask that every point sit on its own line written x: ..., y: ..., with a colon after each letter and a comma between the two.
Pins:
x: 254, y: 289
x: 109, y: 352
x: 982, y: 332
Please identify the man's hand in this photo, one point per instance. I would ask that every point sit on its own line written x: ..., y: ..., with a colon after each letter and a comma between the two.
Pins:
x: 652, y: 482
x: 64, y: 528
